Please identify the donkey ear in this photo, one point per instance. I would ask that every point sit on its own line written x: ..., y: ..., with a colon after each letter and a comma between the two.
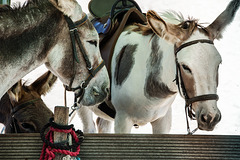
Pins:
x: 44, y: 83
x: 161, y: 28
x: 71, y: 8
x: 225, y: 18
x: 15, y: 92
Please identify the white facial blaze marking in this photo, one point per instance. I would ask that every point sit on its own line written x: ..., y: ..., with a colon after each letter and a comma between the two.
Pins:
x: 206, y: 56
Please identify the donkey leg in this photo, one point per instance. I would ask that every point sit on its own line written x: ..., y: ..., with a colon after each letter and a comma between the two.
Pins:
x: 104, y: 126
x: 163, y: 125
x: 122, y: 123
x: 86, y: 116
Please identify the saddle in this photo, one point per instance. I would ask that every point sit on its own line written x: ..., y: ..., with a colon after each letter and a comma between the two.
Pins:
x: 111, y: 20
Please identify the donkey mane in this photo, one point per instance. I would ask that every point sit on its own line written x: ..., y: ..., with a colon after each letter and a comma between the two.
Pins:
x: 17, y: 6
x: 22, y: 18
x: 173, y: 18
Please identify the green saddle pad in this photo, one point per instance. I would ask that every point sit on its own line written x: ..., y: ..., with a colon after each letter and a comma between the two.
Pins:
x: 102, y: 8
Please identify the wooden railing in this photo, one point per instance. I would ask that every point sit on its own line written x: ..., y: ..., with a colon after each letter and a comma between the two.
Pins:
x: 131, y: 147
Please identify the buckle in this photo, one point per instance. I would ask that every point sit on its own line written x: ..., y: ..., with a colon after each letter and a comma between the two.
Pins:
x: 73, y: 29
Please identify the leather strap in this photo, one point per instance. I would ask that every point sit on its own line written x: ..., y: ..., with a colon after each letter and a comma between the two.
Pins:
x: 107, y: 110
x: 192, y: 43
x: 21, y: 106
x: 202, y: 98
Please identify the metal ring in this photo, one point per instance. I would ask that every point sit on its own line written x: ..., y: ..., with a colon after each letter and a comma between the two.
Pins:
x: 90, y: 68
x: 83, y: 83
x: 72, y: 30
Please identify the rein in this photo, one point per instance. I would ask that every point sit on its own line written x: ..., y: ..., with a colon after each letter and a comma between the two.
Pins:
x: 181, y: 86
x: 14, y: 110
x: 75, y: 38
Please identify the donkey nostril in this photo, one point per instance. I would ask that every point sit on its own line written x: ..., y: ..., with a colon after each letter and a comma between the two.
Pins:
x: 107, y: 90
x: 95, y: 92
x: 217, y: 118
x: 204, y: 118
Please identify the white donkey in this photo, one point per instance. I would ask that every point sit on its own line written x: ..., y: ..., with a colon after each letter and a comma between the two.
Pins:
x: 152, y: 62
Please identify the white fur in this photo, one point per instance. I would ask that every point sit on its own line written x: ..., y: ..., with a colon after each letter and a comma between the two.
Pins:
x: 131, y: 105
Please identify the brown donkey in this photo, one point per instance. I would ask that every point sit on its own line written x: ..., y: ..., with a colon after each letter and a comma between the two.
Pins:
x: 22, y: 109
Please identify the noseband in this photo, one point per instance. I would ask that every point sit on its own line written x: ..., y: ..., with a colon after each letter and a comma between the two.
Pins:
x: 181, y: 87
x: 14, y: 126
x: 74, y: 35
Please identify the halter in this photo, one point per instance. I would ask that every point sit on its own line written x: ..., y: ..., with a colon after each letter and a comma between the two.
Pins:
x: 74, y: 35
x: 14, y: 126
x: 181, y: 86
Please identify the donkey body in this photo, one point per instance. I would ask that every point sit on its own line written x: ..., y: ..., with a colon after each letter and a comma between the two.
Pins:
x: 38, y: 33
x: 149, y: 59
x: 22, y: 109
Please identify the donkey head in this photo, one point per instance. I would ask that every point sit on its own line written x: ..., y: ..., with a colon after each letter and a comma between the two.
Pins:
x: 29, y: 113
x: 197, y: 60
x: 88, y: 70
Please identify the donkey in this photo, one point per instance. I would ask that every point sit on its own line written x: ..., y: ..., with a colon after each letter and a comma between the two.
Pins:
x: 56, y: 33
x: 151, y: 63
x: 22, y: 109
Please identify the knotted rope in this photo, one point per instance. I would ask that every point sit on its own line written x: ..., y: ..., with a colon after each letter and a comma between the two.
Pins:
x: 49, y: 148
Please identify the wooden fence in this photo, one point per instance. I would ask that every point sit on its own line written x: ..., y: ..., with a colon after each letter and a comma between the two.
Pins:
x: 130, y: 147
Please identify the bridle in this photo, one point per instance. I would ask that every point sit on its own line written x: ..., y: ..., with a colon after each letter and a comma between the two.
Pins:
x: 14, y: 125
x: 181, y: 86
x: 74, y: 35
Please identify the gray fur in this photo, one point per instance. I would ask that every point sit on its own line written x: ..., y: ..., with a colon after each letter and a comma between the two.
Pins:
x: 125, y: 61
x: 224, y: 19
x: 153, y: 85
x: 37, y: 26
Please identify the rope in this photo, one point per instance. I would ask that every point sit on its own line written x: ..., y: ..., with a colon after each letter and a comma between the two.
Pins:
x: 49, y: 148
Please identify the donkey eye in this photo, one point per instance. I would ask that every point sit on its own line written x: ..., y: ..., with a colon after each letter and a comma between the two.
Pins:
x: 93, y: 43
x: 28, y: 127
x: 186, y: 68
x: 186, y: 25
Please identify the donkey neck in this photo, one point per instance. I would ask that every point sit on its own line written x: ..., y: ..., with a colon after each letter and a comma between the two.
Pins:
x: 30, y: 40
x: 165, y: 68
x: 15, y: 21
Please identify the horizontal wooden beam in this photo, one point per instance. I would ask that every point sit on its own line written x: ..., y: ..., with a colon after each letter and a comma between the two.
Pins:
x: 131, y: 146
